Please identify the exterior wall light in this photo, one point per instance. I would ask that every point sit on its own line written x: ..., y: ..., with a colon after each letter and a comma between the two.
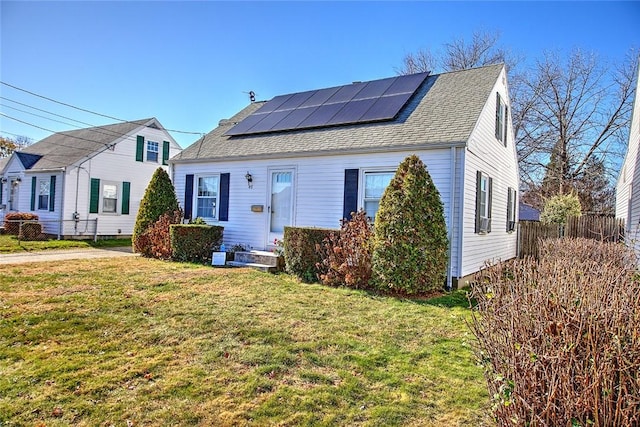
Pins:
x: 249, y: 179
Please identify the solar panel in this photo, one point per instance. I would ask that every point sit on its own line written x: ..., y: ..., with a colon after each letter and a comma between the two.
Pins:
x: 376, y: 100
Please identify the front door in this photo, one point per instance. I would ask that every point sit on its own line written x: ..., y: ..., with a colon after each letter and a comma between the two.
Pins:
x: 280, y: 208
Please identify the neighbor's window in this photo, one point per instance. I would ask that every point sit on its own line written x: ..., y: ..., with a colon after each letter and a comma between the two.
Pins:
x: 207, y: 196
x: 374, y: 185
x: 43, y: 194
x: 152, y: 151
x: 109, y: 198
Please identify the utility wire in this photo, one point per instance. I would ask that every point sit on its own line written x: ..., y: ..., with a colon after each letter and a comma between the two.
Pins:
x: 85, y: 110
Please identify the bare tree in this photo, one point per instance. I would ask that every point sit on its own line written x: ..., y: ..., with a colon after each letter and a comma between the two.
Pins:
x: 460, y: 54
x: 571, y: 115
x: 9, y: 145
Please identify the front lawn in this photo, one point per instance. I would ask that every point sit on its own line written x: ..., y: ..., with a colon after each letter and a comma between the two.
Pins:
x: 144, y: 342
x: 10, y: 244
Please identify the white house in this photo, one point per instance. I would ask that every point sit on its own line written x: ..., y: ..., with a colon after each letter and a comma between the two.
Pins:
x: 311, y: 158
x: 72, y: 178
x: 628, y: 185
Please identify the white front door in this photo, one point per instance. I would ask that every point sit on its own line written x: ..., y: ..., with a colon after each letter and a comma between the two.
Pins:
x: 280, y: 207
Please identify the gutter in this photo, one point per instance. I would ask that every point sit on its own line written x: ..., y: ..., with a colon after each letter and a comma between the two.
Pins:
x: 451, y: 219
x: 461, y: 207
x: 61, y: 216
x: 318, y: 153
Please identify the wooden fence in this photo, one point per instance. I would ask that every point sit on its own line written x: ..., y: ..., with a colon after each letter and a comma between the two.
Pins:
x: 590, y: 227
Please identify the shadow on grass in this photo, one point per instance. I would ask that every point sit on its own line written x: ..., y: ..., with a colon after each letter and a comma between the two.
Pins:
x: 452, y: 299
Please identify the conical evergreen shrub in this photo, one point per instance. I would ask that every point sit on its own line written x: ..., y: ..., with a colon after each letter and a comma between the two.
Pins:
x: 410, y: 239
x: 159, y: 198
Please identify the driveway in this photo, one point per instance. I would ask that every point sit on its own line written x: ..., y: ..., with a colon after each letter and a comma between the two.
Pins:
x: 64, y: 254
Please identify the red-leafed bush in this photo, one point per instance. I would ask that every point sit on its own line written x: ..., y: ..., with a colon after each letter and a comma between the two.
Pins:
x: 155, y: 241
x: 346, y: 255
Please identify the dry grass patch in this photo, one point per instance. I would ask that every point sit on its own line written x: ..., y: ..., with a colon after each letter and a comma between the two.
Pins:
x: 101, y: 342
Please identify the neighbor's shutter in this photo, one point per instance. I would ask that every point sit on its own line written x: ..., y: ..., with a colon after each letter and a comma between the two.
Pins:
x: 188, y: 196
x: 94, y: 198
x: 165, y: 152
x: 126, y: 194
x: 223, y: 212
x: 34, y: 182
x: 52, y: 194
x: 140, y: 148
x: 489, y: 203
x: 478, y: 199
x: 509, y: 207
x: 350, y: 202
x: 1, y: 187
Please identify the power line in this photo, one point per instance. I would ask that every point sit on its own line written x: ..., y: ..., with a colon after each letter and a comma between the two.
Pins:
x: 87, y: 111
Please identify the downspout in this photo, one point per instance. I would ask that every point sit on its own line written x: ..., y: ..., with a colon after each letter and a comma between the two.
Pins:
x: 60, y: 224
x: 461, y: 207
x: 451, y: 212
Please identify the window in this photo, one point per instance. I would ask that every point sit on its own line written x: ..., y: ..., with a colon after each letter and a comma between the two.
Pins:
x: 374, y: 185
x: 511, y: 209
x: 152, y: 151
x: 207, y: 196
x: 501, y: 120
x: 484, y: 190
x: 109, y: 198
x: 43, y: 194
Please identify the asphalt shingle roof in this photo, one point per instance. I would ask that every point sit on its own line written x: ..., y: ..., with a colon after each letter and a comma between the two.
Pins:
x: 65, y: 148
x: 444, y: 111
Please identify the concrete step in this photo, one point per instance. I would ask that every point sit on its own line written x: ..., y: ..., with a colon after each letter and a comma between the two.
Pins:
x: 258, y: 257
x: 261, y: 267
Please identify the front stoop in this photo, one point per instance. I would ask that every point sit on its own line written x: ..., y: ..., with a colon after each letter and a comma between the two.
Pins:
x: 260, y: 260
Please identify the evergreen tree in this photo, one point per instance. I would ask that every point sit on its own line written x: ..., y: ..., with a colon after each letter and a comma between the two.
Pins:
x: 558, y: 208
x: 410, y: 237
x: 159, y: 198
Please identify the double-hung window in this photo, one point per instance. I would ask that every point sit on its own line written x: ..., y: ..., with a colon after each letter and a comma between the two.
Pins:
x: 375, y: 182
x: 207, y: 197
x: 484, y: 191
x: 43, y: 193
x: 152, y: 151
x: 109, y: 198
x: 501, y: 120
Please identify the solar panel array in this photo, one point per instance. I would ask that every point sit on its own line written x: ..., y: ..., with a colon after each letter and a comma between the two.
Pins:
x: 373, y: 101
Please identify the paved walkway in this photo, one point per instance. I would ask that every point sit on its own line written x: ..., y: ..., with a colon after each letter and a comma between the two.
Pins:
x: 64, y: 254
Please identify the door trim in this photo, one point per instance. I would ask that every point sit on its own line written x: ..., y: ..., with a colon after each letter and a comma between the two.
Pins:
x: 269, y: 236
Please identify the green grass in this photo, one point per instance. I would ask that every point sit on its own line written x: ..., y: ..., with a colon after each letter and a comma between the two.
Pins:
x: 10, y: 244
x: 104, y: 342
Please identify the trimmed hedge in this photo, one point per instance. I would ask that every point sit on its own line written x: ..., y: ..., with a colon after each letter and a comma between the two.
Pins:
x: 11, y: 227
x: 30, y: 231
x: 195, y: 242
x: 300, y: 251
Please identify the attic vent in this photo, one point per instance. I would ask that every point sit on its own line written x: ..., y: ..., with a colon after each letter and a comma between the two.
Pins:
x: 153, y: 126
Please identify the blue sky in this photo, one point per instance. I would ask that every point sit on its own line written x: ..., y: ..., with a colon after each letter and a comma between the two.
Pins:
x: 190, y: 64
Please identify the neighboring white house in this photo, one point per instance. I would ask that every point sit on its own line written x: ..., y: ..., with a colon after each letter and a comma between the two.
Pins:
x: 71, y: 178
x: 628, y: 185
x: 311, y: 158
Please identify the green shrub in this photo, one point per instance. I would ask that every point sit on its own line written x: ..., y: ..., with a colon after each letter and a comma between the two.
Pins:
x: 198, y: 221
x: 559, y: 338
x: 30, y: 231
x: 194, y: 243
x: 300, y: 254
x: 12, y: 221
x: 155, y: 242
x: 558, y: 208
x: 159, y: 198
x: 410, y: 239
x: 346, y: 255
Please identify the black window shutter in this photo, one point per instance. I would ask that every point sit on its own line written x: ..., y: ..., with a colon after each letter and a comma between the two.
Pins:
x: 94, y: 199
x: 498, y: 127
x: 509, y: 203
x: 489, y: 203
x: 34, y: 183
x: 52, y: 194
x: 223, y: 212
x: 188, y: 196
x: 478, y: 199
x: 165, y: 152
x: 126, y: 196
x: 350, y: 203
x: 140, y: 148
x: 506, y: 121
x: 1, y: 187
